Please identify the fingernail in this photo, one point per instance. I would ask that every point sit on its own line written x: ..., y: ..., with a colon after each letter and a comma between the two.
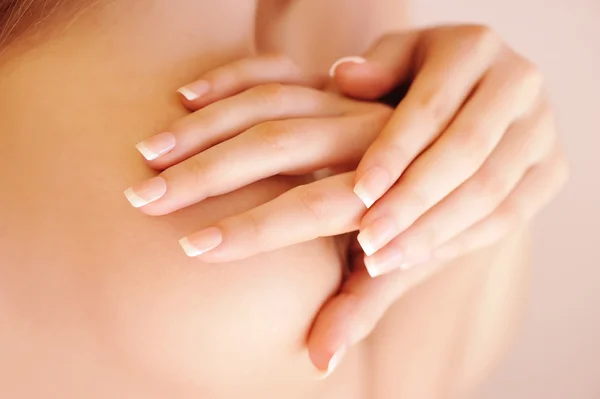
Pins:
x: 201, y: 242
x: 374, y: 183
x: 391, y: 261
x: 377, y: 235
x: 156, y: 146
x: 334, y: 362
x: 146, y: 192
x: 383, y: 263
x: 353, y: 59
x: 195, y: 90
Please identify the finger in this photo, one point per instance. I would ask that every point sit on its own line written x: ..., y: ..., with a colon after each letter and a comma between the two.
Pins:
x: 241, y: 75
x: 526, y: 143
x: 351, y: 315
x: 450, y: 69
x: 227, y: 118
x: 537, y: 188
x: 292, y: 146
x: 320, y: 209
x: 384, y: 66
x: 459, y: 152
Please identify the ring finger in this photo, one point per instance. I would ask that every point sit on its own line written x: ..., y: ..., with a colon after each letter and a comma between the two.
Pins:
x: 227, y: 118
x: 293, y: 146
x: 524, y: 144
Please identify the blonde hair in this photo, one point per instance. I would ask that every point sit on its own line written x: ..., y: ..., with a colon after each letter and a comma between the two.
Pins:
x: 19, y: 17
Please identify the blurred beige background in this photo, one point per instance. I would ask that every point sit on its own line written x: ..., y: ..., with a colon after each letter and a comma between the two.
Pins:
x: 557, y: 355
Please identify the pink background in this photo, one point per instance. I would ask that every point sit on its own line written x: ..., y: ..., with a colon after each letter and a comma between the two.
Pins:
x: 557, y: 355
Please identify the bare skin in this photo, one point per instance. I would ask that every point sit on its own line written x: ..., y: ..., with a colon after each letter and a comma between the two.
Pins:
x: 101, y: 299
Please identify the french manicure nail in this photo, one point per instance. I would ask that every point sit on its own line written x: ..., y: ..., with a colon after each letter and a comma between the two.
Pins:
x: 353, y: 59
x: 195, y: 90
x: 391, y: 261
x: 377, y: 235
x: 201, y: 242
x: 374, y: 183
x: 156, y: 146
x: 383, y: 263
x: 334, y: 362
x: 146, y: 192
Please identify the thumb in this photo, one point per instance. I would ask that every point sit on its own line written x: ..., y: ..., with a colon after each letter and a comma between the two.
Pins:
x: 353, y: 314
x: 386, y: 65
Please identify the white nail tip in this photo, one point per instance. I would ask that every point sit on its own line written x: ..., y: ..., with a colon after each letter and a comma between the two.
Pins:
x: 146, y: 152
x: 334, y: 362
x: 189, y: 249
x: 134, y: 199
x: 372, y: 268
x: 365, y: 245
x: 354, y: 59
x: 364, y: 196
x: 188, y: 94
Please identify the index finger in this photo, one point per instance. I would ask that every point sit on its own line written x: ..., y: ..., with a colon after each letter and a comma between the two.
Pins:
x: 324, y: 208
x: 453, y: 64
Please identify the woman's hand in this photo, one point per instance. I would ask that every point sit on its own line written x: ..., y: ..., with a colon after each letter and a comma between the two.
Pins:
x: 470, y: 152
x: 461, y: 85
x: 246, y: 128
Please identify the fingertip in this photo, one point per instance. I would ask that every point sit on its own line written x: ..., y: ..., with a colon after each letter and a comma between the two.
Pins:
x: 345, y: 62
x: 156, y: 146
x: 333, y: 363
x: 363, y: 80
x: 329, y: 337
x: 201, y: 242
x: 194, y: 92
x: 146, y: 192
x: 188, y: 94
x: 146, y: 152
x: 371, y: 185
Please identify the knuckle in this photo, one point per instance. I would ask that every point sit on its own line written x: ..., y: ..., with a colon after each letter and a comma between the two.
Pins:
x: 471, y: 140
x: 316, y: 202
x: 395, y: 155
x: 276, y: 136
x: 490, y: 186
x: 436, y: 104
x: 425, y: 240
x: 530, y: 77
x: 197, y: 172
x: 255, y: 227
x: 512, y: 214
x: 238, y: 70
x: 542, y: 136
x: 270, y: 94
x: 421, y: 200
x: 562, y: 170
x: 481, y: 35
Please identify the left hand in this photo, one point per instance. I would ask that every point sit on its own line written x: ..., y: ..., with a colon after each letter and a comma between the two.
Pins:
x: 470, y: 152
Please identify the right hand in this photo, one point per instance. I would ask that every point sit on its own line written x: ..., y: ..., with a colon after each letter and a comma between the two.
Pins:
x: 248, y: 126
